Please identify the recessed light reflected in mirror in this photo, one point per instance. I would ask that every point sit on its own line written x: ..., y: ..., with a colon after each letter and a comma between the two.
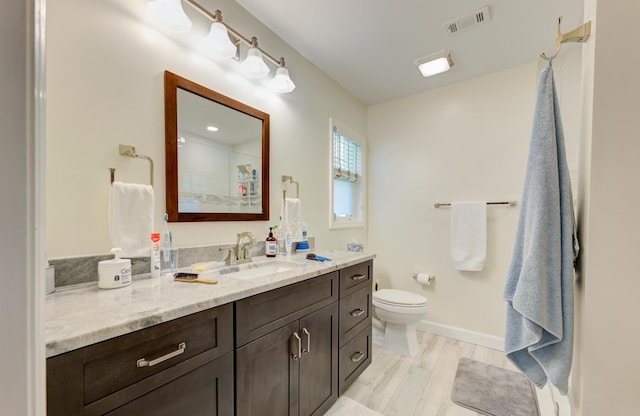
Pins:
x: 212, y: 128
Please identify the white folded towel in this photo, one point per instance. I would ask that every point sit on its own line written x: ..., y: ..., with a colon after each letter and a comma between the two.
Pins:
x: 131, y: 218
x: 468, y: 235
x: 292, y: 217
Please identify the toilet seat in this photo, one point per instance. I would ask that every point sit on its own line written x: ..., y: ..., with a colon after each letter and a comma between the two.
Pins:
x: 399, y: 298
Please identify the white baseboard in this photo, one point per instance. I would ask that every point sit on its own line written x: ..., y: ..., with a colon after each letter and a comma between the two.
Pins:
x: 562, y: 402
x: 478, y: 338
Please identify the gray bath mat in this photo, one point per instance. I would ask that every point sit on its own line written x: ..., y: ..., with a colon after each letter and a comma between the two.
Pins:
x: 493, y: 391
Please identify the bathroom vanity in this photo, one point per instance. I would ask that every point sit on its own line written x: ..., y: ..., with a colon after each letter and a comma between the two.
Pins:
x: 286, y: 343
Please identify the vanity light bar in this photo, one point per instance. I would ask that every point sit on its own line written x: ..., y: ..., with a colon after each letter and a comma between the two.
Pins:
x: 253, y: 65
x: 217, y: 17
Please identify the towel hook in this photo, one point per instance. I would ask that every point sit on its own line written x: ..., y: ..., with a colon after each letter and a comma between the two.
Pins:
x: 580, y: 34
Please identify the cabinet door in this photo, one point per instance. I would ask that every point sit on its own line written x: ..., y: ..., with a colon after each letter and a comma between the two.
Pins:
x: 319, y: 362
x: 207, y: 391
x: 267, y: 374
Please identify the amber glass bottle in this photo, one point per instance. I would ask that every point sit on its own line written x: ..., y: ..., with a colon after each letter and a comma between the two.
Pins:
x: 271, y: 244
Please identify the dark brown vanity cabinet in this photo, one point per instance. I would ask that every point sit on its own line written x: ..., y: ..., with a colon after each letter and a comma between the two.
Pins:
x: 290, y: 352
x: 184, y: 366
x: 287, y: 350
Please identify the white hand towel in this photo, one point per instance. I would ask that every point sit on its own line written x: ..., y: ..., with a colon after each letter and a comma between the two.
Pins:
x: 293, y: 217
x: 468, y: 235
x: 131, y: 218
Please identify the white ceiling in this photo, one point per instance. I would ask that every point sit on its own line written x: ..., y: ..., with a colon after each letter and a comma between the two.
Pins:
x: 369, y: 46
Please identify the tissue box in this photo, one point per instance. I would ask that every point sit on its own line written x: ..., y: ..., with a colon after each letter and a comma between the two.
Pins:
x: 355, y: 246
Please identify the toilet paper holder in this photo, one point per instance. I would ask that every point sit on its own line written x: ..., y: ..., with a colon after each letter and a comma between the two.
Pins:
x: 424, y: 278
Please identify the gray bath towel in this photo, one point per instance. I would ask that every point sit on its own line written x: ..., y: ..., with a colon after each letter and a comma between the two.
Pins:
x: 539, y: 285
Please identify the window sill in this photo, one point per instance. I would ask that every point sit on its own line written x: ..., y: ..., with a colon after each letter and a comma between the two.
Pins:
x: 346, y: 224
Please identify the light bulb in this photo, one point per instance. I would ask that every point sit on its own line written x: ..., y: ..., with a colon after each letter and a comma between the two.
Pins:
x: 169, y: 14
x: 218, y: 43
x: 254, y: 65
x: 281, y: 82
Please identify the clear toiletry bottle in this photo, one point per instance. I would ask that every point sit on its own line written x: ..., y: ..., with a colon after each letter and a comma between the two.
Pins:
x: 276, y: 234
x: 271, y: 245
x: 281, y: 239
x: 288, y: 242
x: 165, y: 245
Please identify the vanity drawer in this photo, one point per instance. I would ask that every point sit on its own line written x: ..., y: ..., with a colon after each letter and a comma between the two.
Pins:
x: 114, y: 364
x: 355, y: 313
x: 208, y: 390
x: 354, y: 358
x: 354, y: 277
x: 261, y: 314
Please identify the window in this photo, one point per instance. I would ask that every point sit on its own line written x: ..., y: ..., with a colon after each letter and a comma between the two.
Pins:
x: 347, y: 177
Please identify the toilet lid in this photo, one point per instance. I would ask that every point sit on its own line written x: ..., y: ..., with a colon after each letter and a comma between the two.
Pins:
x: 399, y: 297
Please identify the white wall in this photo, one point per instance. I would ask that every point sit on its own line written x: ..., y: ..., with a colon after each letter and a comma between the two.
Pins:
x: 605, y: 377
x: 105, y: 87
x: 468, y: 141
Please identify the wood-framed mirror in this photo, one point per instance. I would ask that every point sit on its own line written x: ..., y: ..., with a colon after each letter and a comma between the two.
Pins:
x: 216, y: 155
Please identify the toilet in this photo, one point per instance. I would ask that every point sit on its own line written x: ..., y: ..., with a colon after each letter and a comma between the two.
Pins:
x: 398, y: 312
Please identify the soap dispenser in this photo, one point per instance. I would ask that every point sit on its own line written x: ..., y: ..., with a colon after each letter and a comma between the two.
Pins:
x: 114, y: 273
x: 271, y: 244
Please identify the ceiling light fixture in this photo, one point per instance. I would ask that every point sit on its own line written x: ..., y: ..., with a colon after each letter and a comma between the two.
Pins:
x: 281, y: 82
x: 169, y: 14
x: 217, y: 42
x: 223, y: 41
x: 254, y: 65
x: 434, y: 64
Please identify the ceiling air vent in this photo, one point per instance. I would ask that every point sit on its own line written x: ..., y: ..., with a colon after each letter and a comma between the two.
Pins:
x: 469, y: 21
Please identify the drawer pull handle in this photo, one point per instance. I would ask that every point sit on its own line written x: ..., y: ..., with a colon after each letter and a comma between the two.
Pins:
x: 142, y: 362
x: 356, y: 357
x: 358, y: 276
x: 308, y: 349
x: 357, y: 312
x: 297, y: 352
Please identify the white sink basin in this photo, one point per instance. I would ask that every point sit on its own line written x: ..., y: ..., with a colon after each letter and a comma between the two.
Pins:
x: 257, y: 269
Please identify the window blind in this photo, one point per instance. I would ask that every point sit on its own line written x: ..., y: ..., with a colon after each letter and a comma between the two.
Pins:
x: 347, y: 158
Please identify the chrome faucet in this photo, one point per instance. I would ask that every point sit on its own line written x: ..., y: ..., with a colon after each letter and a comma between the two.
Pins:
x: 242, y: 248
x: 239, y: 253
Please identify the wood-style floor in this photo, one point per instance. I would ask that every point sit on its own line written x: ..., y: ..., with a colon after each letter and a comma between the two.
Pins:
x: 396, y: 385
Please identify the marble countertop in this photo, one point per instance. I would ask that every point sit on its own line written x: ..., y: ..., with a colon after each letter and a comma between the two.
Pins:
x: 83, y: 315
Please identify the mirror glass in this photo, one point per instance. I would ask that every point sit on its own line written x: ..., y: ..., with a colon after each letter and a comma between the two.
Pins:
x: 217, y: 155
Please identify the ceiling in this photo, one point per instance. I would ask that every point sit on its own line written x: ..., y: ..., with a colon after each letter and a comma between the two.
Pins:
x: 369, y: 46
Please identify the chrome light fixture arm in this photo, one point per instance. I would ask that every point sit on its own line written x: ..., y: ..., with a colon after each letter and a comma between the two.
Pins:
x: 217, y: 17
